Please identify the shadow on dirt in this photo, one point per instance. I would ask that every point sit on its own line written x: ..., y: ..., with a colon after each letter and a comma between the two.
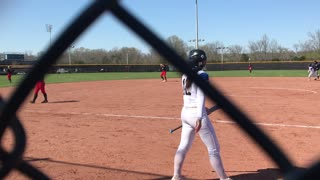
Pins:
x: 261, y: 174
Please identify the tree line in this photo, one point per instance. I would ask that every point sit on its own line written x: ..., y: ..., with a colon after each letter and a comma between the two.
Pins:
x: 264, y: 49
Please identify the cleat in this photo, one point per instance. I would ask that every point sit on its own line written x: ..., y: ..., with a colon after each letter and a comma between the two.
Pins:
x: 45, y: 101
x: 176, y: 178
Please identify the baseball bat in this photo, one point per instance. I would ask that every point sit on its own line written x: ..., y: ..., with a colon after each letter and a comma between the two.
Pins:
x: 209, y: 111
x: 172, y: 130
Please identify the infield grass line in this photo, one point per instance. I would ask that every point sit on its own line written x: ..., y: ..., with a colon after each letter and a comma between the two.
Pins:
x: 101, y: 76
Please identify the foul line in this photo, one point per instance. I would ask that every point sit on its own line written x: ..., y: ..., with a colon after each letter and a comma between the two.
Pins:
x: 172, y: 118
x: 290, y: 89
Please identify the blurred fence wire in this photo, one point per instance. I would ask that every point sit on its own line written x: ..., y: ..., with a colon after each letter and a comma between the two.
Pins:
x: 13, y: 160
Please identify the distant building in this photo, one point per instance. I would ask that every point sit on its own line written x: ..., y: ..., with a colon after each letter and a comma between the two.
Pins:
x: 11, y: 57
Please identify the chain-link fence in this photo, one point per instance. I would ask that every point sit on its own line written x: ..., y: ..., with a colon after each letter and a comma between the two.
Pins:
x: 13, y: 160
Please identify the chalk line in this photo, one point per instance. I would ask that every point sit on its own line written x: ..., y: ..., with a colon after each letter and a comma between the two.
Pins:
x: 170, y: 118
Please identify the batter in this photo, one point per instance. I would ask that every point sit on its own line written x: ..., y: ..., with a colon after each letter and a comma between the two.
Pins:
x: 195, y: 120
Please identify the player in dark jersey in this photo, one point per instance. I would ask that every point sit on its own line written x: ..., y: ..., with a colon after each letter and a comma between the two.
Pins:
x: 40, y: 86
x: 163, y: 70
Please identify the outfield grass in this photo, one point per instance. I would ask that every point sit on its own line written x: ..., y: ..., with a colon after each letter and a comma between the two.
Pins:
x: 78, y: 77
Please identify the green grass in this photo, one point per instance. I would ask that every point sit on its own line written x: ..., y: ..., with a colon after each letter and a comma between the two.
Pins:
x: 78, y: 77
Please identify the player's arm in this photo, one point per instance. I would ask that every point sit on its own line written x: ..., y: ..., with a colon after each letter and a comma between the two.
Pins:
x: 200, y: 103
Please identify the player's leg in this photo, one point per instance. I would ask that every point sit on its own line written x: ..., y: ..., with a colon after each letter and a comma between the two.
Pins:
x: 9, y: 77
x: 43, y: 91
x: 309, y: 75
x: 36, y: 90
x: 45, y: 98
x: 187, y: 137
x: 209, y: 138
x: 165, y: 76
x: 162, y: 76
x: 315, y: 75
x: 34, y: 97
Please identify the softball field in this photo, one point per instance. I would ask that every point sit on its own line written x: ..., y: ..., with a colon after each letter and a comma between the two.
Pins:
x: 120, y: 129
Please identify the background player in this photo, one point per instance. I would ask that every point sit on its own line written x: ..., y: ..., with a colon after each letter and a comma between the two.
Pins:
x: 311, y: 72
x: 9, y: 73
x: 250, y: 67
x: 195, y: 120
x: 40, y: 86
x: 163, y: 70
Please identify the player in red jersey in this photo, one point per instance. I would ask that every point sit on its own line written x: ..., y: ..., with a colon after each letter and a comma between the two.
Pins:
x: 40, y: 86
x: 250, y: 67
x: 9, y: 73
x: 163, y: 70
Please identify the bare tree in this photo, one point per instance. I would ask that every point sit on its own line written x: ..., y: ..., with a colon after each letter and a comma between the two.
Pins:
x: 284, y: 54
x: 273, y: 48
x: 254, y: 50
x: 235, y: 52
x: 178, y: 45
x: 211, y: 50
x: 174, y: 42
x: 264, y: 45
x: 296, y: 48
x: 315, y: 40
x: 131, y: 55
x: 306, y: 46
x: 263, y: 49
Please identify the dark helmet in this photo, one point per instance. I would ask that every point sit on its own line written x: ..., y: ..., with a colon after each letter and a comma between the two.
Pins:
x: 197, y: 59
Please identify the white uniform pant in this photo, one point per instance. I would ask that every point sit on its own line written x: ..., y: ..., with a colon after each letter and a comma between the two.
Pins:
x: 312, y: 74
x: 207, y: 135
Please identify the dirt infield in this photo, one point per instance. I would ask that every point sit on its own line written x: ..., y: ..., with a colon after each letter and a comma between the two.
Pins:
x: 120, y: 129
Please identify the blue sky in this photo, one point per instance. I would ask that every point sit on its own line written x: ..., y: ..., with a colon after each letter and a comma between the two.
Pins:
x: 228, y: 21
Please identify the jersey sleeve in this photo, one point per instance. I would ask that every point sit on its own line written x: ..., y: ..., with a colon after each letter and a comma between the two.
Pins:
x: 204, y: 75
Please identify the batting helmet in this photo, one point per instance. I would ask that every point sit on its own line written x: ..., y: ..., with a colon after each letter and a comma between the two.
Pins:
x: 197, y: 59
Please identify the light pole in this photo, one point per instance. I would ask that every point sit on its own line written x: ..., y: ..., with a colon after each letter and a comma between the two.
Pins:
x: 196, y: 24
x: 49, y: 29
x: 69, y: 49
x: 128, y: 57
x: 194, y: 40
x: 222, y: 49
